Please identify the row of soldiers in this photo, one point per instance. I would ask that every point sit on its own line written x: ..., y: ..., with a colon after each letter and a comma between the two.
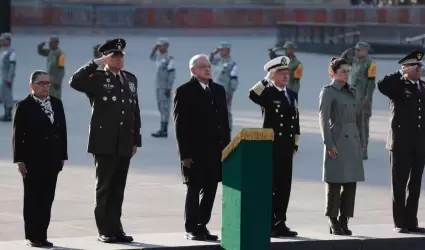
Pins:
x: 362, y: 75
x: 55, y: 67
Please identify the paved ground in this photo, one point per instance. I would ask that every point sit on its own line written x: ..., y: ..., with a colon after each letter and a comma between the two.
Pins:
x: 154, y: 195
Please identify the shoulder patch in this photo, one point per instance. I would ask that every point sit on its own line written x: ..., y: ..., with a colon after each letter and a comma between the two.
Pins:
x: 371, y: 72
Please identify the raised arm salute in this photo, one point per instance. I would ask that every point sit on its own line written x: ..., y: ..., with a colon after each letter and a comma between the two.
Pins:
x: 114, y: 132
x: 280, y: 112
x: 406, y: 139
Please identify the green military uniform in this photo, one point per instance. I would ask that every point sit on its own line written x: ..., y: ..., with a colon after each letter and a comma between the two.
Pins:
x: 340, y: 110
x: 114, y: 134
x: 226, y: 74
x: 363, y: 73
x: 296, y: 68
x: 55, y: 66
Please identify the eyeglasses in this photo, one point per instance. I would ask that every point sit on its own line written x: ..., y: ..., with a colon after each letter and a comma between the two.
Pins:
x: 43, y: 83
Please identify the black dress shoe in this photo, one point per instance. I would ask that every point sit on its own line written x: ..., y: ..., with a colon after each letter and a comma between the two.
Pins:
x: 401, y: 230
x: 47, y: 243
x: 124, y: 238
x: 35, y: 243
x: 335, y: 226
x: 417, y: 230
x: 208, y: 235
x: 194, y: 236
x: 106, y: 239
x: 283, y: 231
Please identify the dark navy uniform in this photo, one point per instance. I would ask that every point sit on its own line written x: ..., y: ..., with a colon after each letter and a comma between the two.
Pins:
x: 280, y: 112
x: 406, y: 141
x: 114, y: 132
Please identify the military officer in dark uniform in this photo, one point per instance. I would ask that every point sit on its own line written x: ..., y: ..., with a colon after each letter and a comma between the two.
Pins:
x: 114, y: 132
x: 406, y: 139
x: 280, y: 112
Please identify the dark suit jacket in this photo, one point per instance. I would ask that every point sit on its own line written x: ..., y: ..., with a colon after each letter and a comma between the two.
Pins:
x: 36, y: 141
x: 202, y: 129
x: 407, y: 117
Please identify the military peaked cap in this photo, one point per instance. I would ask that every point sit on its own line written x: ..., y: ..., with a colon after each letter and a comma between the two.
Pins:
x: 115, y: 46
x: 224, y: 45
x: 280, y: 62
x: 163, y: 41
x: 414, y: 57
x: 290, y: 45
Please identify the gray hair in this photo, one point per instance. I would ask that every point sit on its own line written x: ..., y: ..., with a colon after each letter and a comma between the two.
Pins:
x: 192, y: 61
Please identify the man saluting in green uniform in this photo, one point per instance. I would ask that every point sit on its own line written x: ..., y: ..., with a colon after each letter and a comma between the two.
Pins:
x: 114, y: 132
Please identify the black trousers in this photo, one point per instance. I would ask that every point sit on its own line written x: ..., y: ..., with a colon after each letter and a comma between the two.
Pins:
x: 282, y: 181
x: 111, y: 178
x: 407, y: 169
x: 199, y: 204
x: 39, y: 193
x: 340, y: 199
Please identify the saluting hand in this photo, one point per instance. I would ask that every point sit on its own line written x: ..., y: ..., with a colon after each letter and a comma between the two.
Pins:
x: 332, y: 153
x: 103, y: 59
x: 22, y: 169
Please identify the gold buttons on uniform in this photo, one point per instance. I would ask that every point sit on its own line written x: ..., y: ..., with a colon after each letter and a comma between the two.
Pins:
x: 281, y: 124
x: 121, y: 123
x: 122, y: 90
x: 293, y: 118
x: 122, y: 112
x: 277, y: 111
x: 281, y: 115
x: 280, y: 134
x: 292, y: 126
x: 290, y: 135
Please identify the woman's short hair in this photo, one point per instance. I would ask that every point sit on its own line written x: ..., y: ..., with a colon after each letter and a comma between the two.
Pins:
x: 36, y: 74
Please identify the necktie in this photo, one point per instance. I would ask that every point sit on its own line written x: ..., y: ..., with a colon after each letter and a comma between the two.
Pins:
x: 419, y: 86
x: 208, y: 90
x: 286, y: 97
x: 118, y: 78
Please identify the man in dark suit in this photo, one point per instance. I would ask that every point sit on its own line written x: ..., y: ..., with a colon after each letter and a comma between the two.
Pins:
x: 406, y: 139
x: 280, y: 112
x: 114, y: 132
x: 39, y: 150
x: 202, y: 131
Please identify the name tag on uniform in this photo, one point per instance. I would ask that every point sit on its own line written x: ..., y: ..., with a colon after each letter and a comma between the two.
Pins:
x: 108, y: 86
x: 277, y: 102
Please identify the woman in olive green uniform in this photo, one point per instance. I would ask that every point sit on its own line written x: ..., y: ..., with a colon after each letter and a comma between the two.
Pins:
x: 342, y: 130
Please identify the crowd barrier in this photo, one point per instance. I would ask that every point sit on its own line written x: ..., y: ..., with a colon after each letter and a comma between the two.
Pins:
x: 142, y: 16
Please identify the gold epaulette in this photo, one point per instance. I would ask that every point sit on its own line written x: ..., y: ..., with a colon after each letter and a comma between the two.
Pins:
x: 247, y: 134
x: 258, y: 88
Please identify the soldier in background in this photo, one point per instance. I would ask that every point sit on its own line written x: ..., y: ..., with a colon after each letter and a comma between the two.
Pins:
x: 165, y: 76
x: 406, y: 139
x: 363, y: 73
x: 114, y: 132
x: 7, y: 75
x: 295, y: 65
x: 225, y: 74
x: 55, y: 64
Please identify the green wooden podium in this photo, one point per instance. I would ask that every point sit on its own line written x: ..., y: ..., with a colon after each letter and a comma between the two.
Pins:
x: 247, y: 191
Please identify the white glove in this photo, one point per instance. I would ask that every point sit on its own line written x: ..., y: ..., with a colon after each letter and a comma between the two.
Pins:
x: 102, y: 60
x: 268, y: 76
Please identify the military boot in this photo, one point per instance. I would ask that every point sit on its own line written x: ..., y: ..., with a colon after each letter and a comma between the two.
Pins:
x: 344, y: 225
x: 162, y: 132
x: 7, y: 117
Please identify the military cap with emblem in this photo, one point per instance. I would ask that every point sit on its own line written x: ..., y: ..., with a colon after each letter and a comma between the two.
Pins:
x: 290, y: 45
x: 115, y: 46
x: 362, y: 45
x: 413, y: 58
x: 162, y: 41
x: 281, y: 62
x: 224, y: 45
